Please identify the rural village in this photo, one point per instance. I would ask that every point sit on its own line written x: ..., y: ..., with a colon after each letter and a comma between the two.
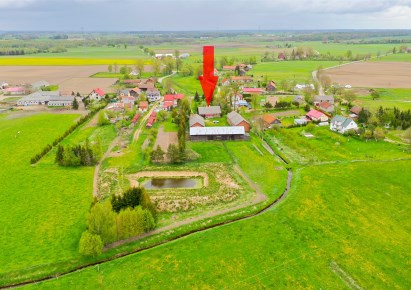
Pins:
x: 147, y: 159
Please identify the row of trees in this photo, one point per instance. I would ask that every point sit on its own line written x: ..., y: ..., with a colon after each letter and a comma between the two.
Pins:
x: 126, y: 216
x: 81, y: 121
x: 80, y: 155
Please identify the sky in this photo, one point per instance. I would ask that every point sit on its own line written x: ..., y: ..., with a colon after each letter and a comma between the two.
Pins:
x: 189, y: 15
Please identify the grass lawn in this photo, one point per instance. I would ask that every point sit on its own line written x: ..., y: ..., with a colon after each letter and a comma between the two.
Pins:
x: 210, y: 151
x: 389, y: 98
x: 331, y: 146
x: 187, y: 85
x: 395, y: 57
x: 44, y: 206
x: 329, y: 233
x: 289, y: 70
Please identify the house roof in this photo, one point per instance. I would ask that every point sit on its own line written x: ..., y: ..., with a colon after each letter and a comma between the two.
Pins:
x: 168, y: 104
x: 212, y: 110
x: 235, y: 118
x: 129, y: 98
x: 143, y: 104
x: 356, y: 110
x: 99, y: 92
x: 241, y: 78
x: 271, y: 83
x: 269, y: 119
x: 315, y: 114
x: 253, y: 90
x: 168, y: 98
x: 196, y: 118
x: 40, y: 84
x: 15, y: 89
x: 329, y: 98
x: 41, y: 96
x: 136, y: 89
x: 342, y: 120
x: 229, y: 67
x: 324, y: 105
x: 226, y: 130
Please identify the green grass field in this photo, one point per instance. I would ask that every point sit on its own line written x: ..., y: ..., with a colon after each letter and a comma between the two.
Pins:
x: 43, y: 206
x: 329, y: 233
x: 389, y: 98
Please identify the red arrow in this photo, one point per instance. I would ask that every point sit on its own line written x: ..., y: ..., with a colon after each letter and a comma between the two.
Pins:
x: 208, y: 80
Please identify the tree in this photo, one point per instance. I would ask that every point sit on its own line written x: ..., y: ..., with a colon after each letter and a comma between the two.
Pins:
x: 379, y: 134
x: 178, y: 59
x: 115, y: 67
x: 349, y: 54
x: 285, y: 85
x: 75, y: 104
x: 325, y: 81
x: 158, y: 154
x: 173, y: 153
x: 363, y: 116
x: 139, y: 66
x: 374, y: 94
x: 196, y: 97
x: 367, y: 134
x: 156, y: 66
x: 168, y: 65
x: 130, y: 222
x: 59, y: 154
x: 102, y: 120
x: 90, y: 245
x: 102, y: 221
x: 110, y: 68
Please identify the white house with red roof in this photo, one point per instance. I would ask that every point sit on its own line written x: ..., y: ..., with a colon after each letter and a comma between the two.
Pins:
x: 316, y: 116
x: 96, y: 95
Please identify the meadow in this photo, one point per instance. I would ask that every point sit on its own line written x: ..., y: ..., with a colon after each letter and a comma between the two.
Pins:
x: 329, y: 146
x: 389, y: 98
x: 332, y: 231
x: 43, y: 206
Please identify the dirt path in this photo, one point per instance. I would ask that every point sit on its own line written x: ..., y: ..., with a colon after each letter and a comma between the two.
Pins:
x: 143, y: 121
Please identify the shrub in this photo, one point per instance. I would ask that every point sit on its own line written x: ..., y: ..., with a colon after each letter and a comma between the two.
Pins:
x: 90, y: 245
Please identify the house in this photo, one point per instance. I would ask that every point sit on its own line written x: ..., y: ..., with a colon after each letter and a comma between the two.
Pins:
x: 241, y: 103
x: 235, y: 119
x: 171, y: 101
x: 327, y: 99
x: 132, y: 82
x: 15, y: 91
x: 326, y: 107
x: 196, y: 121
x: 39, y: 85
x: 135, y: 92
x: 96, y: 95
x: 133, y: 73
x: 355, y: 111
x: 229, y: 67
x: 225, y: 82
x: 282, y: 56
x: 271, y: 86
x: 217, y: 133
x: 151, y: 120
x: 241, y: 79
x: 153, y: 95
x: 128, y: 101
x: 39, y: 98
x: 123, y: 93
x: 316, y: 116
x: 61, y: 101
x: 269, y: 121
x: 163, y: 55
x: 256, y: 91
x: 209, y: 112
x: 342, y: 124
x: 143, y: 106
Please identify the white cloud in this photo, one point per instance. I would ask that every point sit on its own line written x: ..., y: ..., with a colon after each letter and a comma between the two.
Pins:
x: 15, y: 3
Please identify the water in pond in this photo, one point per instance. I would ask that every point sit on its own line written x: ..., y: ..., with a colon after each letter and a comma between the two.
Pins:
x: 161, y: 183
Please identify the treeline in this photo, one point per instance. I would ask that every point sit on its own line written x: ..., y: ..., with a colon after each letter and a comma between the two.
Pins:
x: 394, y: 117
x: 81, y: 121
x: 80, y: 155
x: 128, y: 215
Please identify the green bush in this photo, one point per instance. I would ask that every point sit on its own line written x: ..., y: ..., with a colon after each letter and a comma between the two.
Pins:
x: 90, y: 245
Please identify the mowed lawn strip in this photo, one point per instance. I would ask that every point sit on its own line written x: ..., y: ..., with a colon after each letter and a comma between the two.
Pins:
x: 44, y: 206
x: 336, y: 217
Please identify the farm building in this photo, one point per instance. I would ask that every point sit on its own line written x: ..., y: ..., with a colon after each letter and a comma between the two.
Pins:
x: 270, y: 121
x: 326, y: 99
x: 209, y: 112
x: 229, y: 67
x: 116, y: 106
x: 15, y: 91
x: 342, y: 124
x: 271, y: 86
x: 153, y: 94
x: 253, y: 91
x: 196, y: 121
x: 151, y: 120
x: 184, y: 55
x: 300, y: 122
x: 143, y: 106
x: 316, y: 116
x: 326, y: 107
x: 96, y: 94
x: 355, y: 111
x: 135, y: 92
x: 217, y: 133
x: 241, y: 79
x: 235, y: 119
x: 38, y: 98
x: 61, y: 101
x: 135, y: 119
